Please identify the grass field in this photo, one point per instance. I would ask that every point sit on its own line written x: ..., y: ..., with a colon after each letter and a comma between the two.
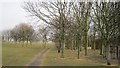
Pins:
x: 16, y: 55
x: 93, y: 59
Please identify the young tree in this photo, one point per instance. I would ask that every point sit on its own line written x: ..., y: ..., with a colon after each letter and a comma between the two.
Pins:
x: 44, y: 31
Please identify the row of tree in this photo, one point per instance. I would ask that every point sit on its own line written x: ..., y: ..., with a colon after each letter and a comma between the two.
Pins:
x: 24, y: 32
x: 77, y: 24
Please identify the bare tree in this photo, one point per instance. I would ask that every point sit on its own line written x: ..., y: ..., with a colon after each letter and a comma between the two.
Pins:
x: 22, y: 32
x: 55, y: 11
x: 6, y: 35
x: 44, y: 31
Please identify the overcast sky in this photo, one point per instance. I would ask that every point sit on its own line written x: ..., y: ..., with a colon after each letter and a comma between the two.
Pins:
x: 11, y: 14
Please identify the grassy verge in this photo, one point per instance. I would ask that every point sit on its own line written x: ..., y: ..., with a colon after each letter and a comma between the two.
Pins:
x: 93, y: 59
x: 16, y: 55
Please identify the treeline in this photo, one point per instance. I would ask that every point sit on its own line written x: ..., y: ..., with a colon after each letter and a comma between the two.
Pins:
x: 25, y: 32
x: 80, y: 24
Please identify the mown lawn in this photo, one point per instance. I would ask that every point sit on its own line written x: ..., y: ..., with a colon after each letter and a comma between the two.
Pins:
x: 16, y: 55
x: 93, y: 59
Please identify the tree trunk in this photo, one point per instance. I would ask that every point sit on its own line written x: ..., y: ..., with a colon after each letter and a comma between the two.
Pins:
x: 63, y: 44
x: 104, y: 52
x: 78, y: 52
x: 117, y: 52
x: 101, y: 49
x: 78, y: 48
x: 94, y: 46
x: 59, y: 46
x: 108, y: 55
x: 62, y: 50
x: 86, y: 45
x: 72, y: 45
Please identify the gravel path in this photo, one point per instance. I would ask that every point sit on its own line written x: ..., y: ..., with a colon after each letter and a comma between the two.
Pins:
x: 38, y: 59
